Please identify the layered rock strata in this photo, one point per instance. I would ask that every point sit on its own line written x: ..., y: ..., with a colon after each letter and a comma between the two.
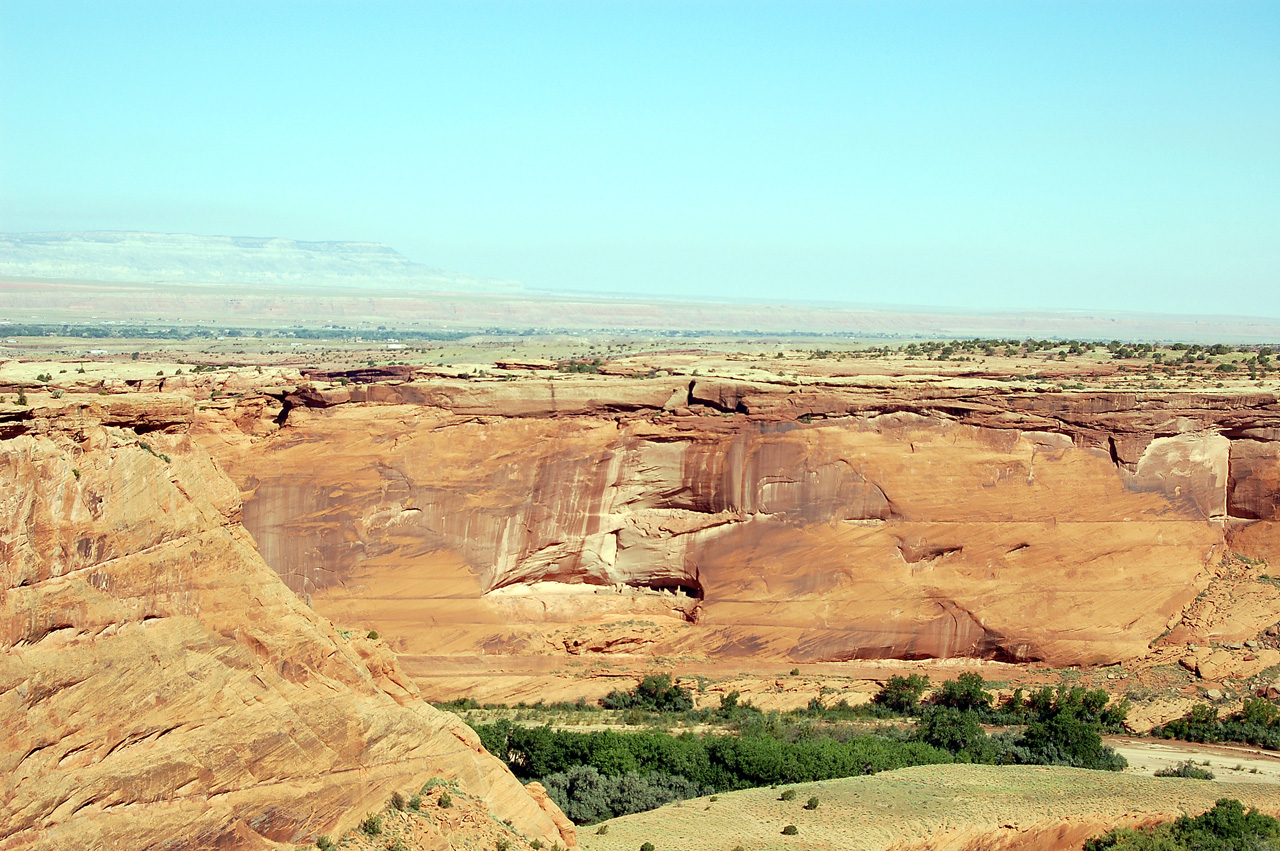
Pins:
x: 160, y: 687
x: 855, y: 520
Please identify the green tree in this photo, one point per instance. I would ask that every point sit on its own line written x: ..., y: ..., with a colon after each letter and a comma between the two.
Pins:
x: 952, y: 730
x: 968, y: 692
x: 902, y: 694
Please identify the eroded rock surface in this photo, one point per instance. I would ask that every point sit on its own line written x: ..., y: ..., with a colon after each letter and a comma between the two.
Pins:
x: 752, y: 520
x: 159, y: 685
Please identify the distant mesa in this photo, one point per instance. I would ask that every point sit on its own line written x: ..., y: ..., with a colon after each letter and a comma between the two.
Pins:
x: 121, y: 256
x: 116, y: 275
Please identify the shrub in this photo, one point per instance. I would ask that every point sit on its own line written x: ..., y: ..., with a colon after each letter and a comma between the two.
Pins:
x: 445, y: 801
x: 536, y: 845
x: 790, y: 830
x: 1187, y: 768
x: 648, y: 846
x: 902, y: 694
x: 372, y: 825
x: 602, y: 830
x: 656, y: 692
x: 951, y: 730
x: 732, y: 710
x: 373, y: 635
x: 415, y: 803
x: 587, y: 796
x: 795, y: 672
x: 1257, y: 723
x: 1199, y: 725
x: 1065, y: 729
x: 397, y: 801
x: 324, y: 843
x: 722, y: 762
x: 1226, y: 827
x: 1067, y: 739
x: 502, y: 844
x: 968, y: 692
x: 787, y: 795
x: 812, y: 803
x: 397, y: 844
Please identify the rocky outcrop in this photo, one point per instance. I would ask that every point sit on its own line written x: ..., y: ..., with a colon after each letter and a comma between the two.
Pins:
x: 1253, y: 491
x: 159, y: 685
x: 865, y: 518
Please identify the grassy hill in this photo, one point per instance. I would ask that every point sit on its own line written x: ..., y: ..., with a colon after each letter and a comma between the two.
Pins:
x: 934, y: 807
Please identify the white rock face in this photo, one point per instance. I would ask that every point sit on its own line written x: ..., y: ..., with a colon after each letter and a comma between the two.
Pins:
x: 184, y: 258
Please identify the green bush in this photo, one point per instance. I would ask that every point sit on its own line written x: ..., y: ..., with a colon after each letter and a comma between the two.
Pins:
x: 372, y: 825
x: 1064, y: 737
x: 736, y: 712
x: 790, y: 830
x: 902, y: 694
x: 811, y: 804
x: 721, y: 762
x: 1063, y: 727
x: 373, y: 635
x: 951, y: 730
x: 415, y: 803
x: 1186, y: 768
x: 648, y: 846
x: 324, y: 843
x: 445, y: 801
x: 587, y: 796
x: 397, y: 801
x: 1226, y: 827
x: 967, y: 693
x: 656, y: 693
x: 1257, y: 723
x: 787, y: 795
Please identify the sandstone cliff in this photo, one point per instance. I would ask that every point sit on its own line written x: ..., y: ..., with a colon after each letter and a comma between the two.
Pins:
x: 159, y: 686
x: 862, y: 519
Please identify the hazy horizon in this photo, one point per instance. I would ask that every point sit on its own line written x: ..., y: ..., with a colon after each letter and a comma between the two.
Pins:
x: 982, y: 157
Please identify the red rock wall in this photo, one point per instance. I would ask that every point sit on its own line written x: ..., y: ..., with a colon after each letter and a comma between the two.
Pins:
x: 760, y: 520
x: 159, y: 685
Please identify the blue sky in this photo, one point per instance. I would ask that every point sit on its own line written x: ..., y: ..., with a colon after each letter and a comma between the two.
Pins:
x: 1121, y: 156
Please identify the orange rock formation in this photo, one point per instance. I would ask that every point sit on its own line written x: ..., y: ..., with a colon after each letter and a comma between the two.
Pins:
x: 742, y: 520
x: 159, y: 685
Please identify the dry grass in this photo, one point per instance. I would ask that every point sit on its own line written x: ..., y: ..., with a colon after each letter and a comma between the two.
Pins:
x: 882, y: 810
